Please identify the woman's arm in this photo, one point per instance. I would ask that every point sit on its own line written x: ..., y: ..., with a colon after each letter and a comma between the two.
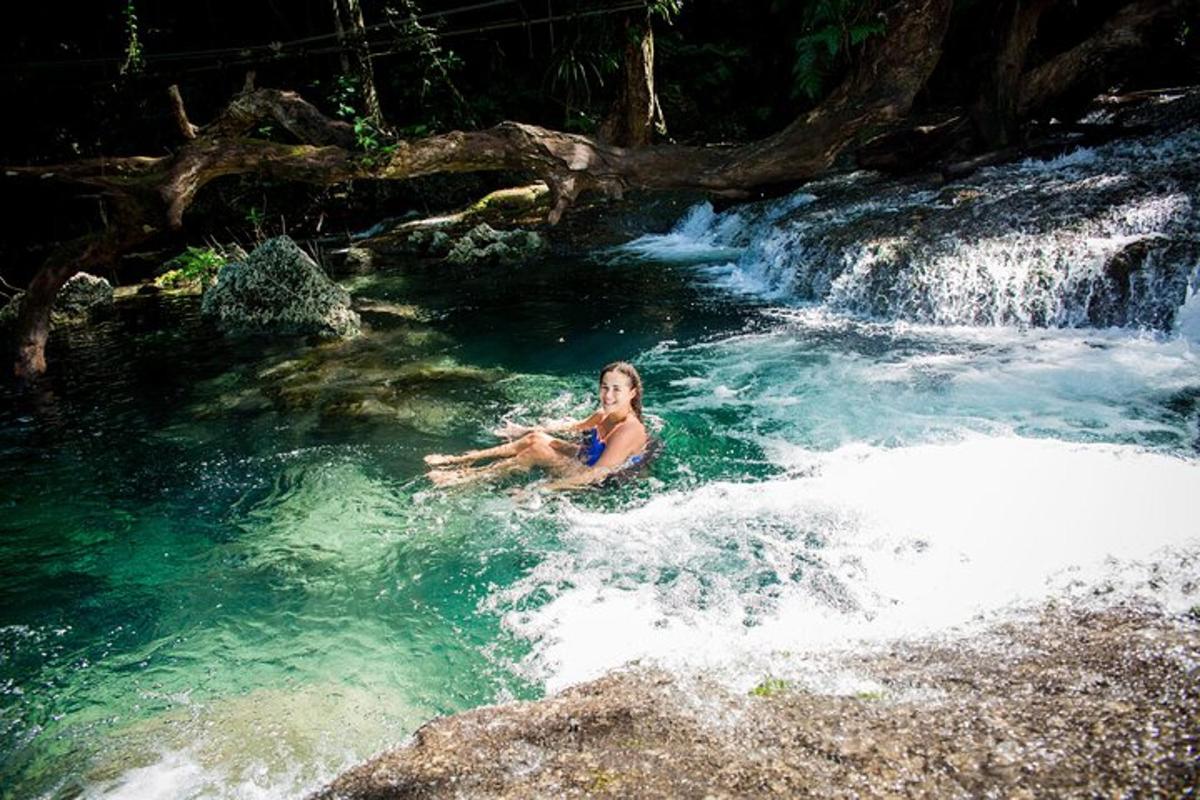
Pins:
x: 623, y: 443
x: 513, y: 431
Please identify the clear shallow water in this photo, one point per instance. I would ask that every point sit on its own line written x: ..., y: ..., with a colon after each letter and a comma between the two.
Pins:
x: 222, y: 574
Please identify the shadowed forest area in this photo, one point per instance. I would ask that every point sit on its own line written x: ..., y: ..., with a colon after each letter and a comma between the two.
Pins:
x: 735, y: 100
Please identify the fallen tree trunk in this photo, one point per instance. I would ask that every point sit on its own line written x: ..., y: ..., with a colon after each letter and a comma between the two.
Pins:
x: 154, y: 193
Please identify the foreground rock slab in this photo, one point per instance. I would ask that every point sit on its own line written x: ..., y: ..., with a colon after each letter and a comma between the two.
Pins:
x: 1074, y: 704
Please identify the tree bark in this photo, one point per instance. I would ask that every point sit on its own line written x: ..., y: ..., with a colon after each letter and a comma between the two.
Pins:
x: 158, y: 191
x: 1127, y: 33
x: 33, y: 322
x: 636, y: 115
x: 340, y: 28
x: 995, y: 112
x: 362, y: 61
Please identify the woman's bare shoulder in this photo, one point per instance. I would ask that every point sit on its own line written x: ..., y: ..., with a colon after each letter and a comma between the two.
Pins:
x: 630, y: 429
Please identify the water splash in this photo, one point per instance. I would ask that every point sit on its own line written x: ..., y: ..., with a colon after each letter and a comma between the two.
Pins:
x: 861, y: 544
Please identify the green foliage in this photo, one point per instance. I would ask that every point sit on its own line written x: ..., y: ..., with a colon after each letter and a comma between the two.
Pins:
x: 666, y: 10
x: 134, y: 61
x: 833, y: 28
x: 377, y: 145
x: 770, y: 687
x: 256, y: 216
x: 343, y: 94
x: 436, y: 63
x: 580, y: 122
x: 576, y: 72
x: 194, y: 266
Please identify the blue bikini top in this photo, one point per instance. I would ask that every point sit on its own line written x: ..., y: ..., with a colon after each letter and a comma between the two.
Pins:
x: 592, y: 448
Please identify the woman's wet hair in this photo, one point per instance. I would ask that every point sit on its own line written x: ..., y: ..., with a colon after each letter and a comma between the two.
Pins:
x: 635, y: 382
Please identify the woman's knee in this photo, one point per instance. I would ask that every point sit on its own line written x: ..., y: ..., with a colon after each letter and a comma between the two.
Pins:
x: 540, y: 451
x: 535, y: 439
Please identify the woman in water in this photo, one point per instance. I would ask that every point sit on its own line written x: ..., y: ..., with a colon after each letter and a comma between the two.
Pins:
x: 614, y: 437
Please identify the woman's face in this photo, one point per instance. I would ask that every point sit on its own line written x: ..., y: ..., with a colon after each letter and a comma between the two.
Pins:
x: 616, y: 392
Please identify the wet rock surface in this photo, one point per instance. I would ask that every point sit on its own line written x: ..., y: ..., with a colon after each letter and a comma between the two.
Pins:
x: 1075, y: 703
x: 279, y: 289
x: 483, y: 244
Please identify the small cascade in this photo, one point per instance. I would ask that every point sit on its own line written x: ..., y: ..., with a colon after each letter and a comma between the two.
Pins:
x: 1100, y: 237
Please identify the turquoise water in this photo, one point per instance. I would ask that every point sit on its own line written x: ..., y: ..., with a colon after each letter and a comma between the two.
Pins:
x: 222, y: 573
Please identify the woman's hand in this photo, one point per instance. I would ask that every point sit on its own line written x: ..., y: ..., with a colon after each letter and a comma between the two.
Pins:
x: 511, y: 430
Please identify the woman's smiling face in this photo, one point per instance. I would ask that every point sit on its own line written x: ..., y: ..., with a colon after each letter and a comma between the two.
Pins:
x: 616, y: 392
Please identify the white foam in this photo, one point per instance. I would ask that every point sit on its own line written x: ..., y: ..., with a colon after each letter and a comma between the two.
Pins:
x: 181, y: 775
x: 701, y: 235
x: 876, y: 544
x: 1187, y: 319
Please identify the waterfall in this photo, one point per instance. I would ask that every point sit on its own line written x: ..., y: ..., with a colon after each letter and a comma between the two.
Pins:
x: 1100, y: 237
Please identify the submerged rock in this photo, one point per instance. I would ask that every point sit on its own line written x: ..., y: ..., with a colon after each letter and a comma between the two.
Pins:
x: 358, y: 260
x: 429, y: 242
x: 279, y: 289
x: 1077, y: 704
x: 483, y: 244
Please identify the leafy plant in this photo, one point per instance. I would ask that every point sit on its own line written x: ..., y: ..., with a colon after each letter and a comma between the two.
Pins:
x: 256, y: 217
x: 576, y: 71
x: 377, y: 145
x: 666, y: 10
x: 342, y: 95
x: 833, y: 29
x: 436, y: 64
x: 194, y: 266
x: 134, y: 61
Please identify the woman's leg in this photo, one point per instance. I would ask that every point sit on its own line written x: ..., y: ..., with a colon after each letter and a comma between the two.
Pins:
x: 553, y: 454
x: 501, y: 451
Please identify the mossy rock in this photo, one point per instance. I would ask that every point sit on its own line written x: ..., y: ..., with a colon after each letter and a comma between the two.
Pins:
x: 280, y: 289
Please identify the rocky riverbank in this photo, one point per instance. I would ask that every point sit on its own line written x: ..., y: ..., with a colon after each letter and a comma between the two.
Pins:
x: 1072, y: 703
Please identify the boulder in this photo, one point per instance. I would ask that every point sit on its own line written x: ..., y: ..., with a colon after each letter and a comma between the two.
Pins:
x: 80, y: 296
x: 483, y: 244
x: 75, y: 302
x: 279, y: 289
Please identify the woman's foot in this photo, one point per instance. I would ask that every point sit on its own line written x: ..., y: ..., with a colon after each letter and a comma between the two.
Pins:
x: 449, y: 477
x: 439, y: 460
